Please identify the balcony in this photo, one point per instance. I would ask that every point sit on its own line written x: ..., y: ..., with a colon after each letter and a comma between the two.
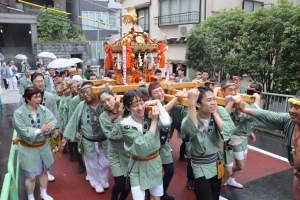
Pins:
x: 177, y: 19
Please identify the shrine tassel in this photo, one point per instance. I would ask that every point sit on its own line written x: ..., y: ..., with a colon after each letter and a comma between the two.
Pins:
x: 168, y: 67
x: 124, y: 65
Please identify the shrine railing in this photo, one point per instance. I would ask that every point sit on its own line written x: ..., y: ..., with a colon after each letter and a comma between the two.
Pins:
x: 275, y: 102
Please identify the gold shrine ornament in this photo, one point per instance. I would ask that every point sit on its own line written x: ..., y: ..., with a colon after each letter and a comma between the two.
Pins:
x: 140, y: 39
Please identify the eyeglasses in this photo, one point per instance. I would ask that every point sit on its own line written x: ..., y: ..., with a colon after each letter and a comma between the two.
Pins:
x: 199, y: 74
x: 86, y: 91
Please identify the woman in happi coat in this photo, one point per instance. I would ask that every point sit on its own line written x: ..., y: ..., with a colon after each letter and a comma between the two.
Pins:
x: 176, y: 112
x: 118, y: 158
x: 33, y: 122
x: 142, y: 141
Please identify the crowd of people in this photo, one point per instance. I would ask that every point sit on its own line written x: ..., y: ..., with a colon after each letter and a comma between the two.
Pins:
x: 128, y: 137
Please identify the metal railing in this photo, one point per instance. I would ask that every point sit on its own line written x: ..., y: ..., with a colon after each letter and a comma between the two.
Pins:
x: 179, y: 18
x: 11, y: 178
x: 275, y: 102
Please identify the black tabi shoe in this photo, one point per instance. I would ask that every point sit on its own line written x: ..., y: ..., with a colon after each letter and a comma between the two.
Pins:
x: 167, y: 197
x: 72, y: 159
x: 65, y: 151
x: 81, y: 169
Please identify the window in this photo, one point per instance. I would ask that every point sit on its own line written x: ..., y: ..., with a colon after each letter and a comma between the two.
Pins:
x: 94, y: 49
x: 92, y: 25
x: 143, y: 22
x: 174, y: 12
x: 22, y: 6
x: 114, y: 22
x: 250, y: 6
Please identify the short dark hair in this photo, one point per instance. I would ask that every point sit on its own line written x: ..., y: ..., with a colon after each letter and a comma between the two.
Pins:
x: 205, y: 71
x: 237, y: 74
x: 38, y: 65
x: 130, y: 95
x: 34, y: 75
x: 110, y: 73
x: 62, y: 73
x: 181, y: 69
x: 142, y: 89
x: 157, y: 71
x: 29, y: 90
x: 91, y: 74
x: 212, y: 81
x: 107, y: 91
x: 256, y: 86
x: 203, y: 90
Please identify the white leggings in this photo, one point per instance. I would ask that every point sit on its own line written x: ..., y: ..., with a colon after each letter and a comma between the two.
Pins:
x: 13, y: 84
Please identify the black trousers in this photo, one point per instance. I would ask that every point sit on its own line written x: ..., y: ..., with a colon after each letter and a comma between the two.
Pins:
x: 118, y: 188
x: 189, y: 171
x: 169, y: 172
x: 182, y: 150
x: 73, y: 150
x: 207, y: 189
x: 5, y: 83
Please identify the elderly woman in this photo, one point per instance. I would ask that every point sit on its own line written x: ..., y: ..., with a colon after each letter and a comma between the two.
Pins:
x: 34, y: 122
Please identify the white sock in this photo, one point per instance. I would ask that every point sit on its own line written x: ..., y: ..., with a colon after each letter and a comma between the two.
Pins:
x: 230, y: 179
x: 44, y: 191
x: 30, y: 197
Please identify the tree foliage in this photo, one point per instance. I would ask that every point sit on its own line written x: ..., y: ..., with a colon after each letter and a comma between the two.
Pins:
x: 263, y: 44
x: 209, y: 43
x: 57, y: 27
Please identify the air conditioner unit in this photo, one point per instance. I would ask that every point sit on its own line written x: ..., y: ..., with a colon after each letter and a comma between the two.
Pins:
x: 183, y: 29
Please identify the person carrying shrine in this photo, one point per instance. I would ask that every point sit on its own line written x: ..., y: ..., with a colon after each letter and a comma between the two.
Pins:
x: 141, y: 136
x: 206, y: 128
x: 289, y: 124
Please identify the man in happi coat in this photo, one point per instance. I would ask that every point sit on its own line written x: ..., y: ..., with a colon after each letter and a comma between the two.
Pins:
x: 289, y: 124
x: 25, y: 82
x: 206, y: 128
x: 84, y: 126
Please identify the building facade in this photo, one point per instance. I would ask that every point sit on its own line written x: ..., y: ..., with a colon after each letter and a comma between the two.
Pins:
x: 175, y: 17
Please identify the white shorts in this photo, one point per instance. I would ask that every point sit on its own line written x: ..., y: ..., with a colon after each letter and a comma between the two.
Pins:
x: 240, y: 155
x: 229, y: 165
x: 139, y: 194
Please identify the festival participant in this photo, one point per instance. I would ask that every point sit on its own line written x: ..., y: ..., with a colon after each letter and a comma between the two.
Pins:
x: 87, y: 71
x: 198, y: 76
x: 25, y: 82
x: 73, y: 103
x: 49, y: 82
x: 40, y: 68
x: 204, y: 76
x: 25, y: 66
x: 48, y: 100
x: 84, y: 126
x: 118, y: 158
x: 72, y: 144
x: 142, y: 141
x: 63, y: 120
x: 175, y: 111
x: 72, y: 72
x: 157, y: 73
x: 34, y: 122
x: 289, y: 124
x: 101, y: 74
x: 59, y: 94
x: 237, y: 78
x: 205, y: 129
x: 238, y: 144
x: 212, y: 84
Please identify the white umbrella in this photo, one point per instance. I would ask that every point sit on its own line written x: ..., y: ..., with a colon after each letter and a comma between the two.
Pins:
x: 21, y: 57
x: 75, y: 60
x: 59, y: 63
x: 46, y: 55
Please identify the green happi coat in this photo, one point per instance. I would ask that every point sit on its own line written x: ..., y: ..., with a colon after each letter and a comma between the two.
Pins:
x: 61, y: 112
x: 47, y: 83
x: 81, y: 122
x: 73, y: 105
x: 276, y: 121
x: 22, y: 123
x: 24, y: 83
x: 57, y: 98
x: 203, y: 143
x: 118, y: 157
x: 178, y: 112
x: 146, y: 174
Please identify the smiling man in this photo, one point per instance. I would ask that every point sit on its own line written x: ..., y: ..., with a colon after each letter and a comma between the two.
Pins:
x: 288, y: 123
